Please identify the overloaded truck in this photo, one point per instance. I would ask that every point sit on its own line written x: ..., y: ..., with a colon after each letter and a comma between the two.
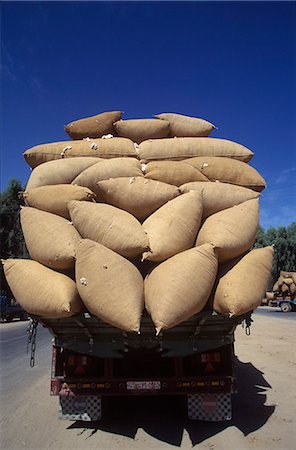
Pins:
x: 92, y: 361
x: 141, y: 234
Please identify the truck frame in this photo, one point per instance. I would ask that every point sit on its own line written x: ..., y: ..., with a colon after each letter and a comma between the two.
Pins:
x: 92, y: 361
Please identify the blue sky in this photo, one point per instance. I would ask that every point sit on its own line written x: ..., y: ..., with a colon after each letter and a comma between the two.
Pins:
x: 232, y: 63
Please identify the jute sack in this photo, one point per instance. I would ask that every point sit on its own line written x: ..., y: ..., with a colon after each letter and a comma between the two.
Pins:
x: 288, y: 281
x: 284, y: 289
x: 109, y: 226
x: 292, y: 275
x: 50, y: 239
x: 280, y: 280
x: 172, y: 172
x: 139, y: 130
x: 270, y: 295
x: 293, y: 288
x: 109, y: 168
x: 188, y: 147
x: 62, y: 171
x: 228, y: 170
x: 110, y: 286
x: 101, y: 148
x: 275, y: 287
x: 179, y: 287
x: 219, y: 196
x: 136, y: 195
x: 243, y: 287
x: 232, y: 231
x: 173, y: 227
x: 94, y: 126
x: 55, y: 198
x: 40, y: 290
x: 181, y: 125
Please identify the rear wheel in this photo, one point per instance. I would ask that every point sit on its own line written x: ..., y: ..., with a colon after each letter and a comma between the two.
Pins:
x: 286, y: 307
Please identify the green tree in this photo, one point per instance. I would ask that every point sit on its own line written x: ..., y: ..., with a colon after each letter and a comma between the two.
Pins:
x: 12, y: 240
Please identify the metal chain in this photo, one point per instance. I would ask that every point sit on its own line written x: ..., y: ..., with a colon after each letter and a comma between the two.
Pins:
x: 32, y: 330
x: 248, y: 321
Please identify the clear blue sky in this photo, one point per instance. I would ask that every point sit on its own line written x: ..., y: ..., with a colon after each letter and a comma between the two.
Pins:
x: 232, y: 63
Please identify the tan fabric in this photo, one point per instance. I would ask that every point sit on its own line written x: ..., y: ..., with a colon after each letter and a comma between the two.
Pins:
x: 55, y: 198
x: 94, y: 126
x: 228, y: 170
x: 139, y: 130
x: 189, y: 147
x: 219, y: 196
x: 284, y: 289
x: 50, y: 239
x: 232, y: 231
x: 285, y: 274
x: 181, y: 125
x: 110, y: 286
x: 109, y: 226
x: 109, y: 168
x: 243, y: 287
x: 136, y: 195
x: 42, y: 291
x: 276, y: 287
x: 101, y: 148
x: 288, y: 281
x: 179, y: 287
x: 173, y: 172
x: 280, y: 281
x: 62, y: 171
x: 293, y: 288
x: 270, y: 295
x: 173, y: 227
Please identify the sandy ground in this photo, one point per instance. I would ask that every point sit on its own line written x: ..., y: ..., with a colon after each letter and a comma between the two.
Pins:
x: 263, y: 410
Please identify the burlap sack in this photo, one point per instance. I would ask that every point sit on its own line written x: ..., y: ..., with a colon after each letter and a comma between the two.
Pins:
x: 110, y: 286
x: 109, y: 168
x: 243, y: 287
x: 181, y: 125
x: 109, y: 226
x: 232, y: 231
x: 94, y: 126
x: 228, y: 170
x: 285, y: 274
x: 55, y: 198
x: 219, y: 196
x: 284, y: 289
x: 173, y: 227
x: 188, y: 147
x: 139, y: 130
x: 172, y: 172
x: 276, y: 287
x: 179, y: 287
x: 62, y: 171
x: 101, y: 148
x: 50, y: 239
x: 293, y: 288
x: 136, y: 195
x: 280, y: 281
x: 270, y: 295
x: 42, y: 291
x: 288, y: 281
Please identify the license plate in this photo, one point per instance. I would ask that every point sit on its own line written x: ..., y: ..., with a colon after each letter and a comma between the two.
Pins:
x: 143, y: 385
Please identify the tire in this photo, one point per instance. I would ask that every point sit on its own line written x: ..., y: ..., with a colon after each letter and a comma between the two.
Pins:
x: 286, y: 307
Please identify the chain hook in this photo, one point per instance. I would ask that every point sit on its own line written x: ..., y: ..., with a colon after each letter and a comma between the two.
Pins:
x: 32, y: 330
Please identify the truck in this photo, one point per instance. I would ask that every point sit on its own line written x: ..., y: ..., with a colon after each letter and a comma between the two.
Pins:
x: 287, y: 303
x: 10, y: 309
x: 92, y: 361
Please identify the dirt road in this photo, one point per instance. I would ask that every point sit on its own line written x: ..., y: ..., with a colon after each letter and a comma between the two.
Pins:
x: 263, y: 411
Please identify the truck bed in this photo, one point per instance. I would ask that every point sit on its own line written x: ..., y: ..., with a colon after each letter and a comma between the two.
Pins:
x: 85, y: 333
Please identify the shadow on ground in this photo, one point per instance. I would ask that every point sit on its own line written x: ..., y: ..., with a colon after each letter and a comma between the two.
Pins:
x: 165, y: 418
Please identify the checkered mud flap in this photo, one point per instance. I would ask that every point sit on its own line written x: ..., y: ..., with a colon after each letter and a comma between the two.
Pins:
x: 86, y: 408
x: 210, y: 407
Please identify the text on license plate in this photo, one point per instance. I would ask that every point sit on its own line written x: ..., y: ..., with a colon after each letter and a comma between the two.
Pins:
x: 143, y: 385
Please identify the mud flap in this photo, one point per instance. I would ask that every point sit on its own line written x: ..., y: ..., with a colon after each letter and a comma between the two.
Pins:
x: 209, y: 407
x: 87, y: 407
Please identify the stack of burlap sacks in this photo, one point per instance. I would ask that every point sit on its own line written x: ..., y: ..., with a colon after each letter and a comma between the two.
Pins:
x: 134, y: 214
x: 285, y: 286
